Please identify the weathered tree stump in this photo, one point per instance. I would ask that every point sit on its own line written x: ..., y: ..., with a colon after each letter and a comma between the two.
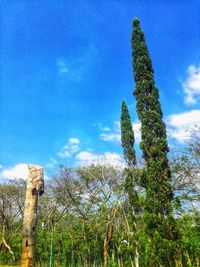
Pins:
x: 35, y: 187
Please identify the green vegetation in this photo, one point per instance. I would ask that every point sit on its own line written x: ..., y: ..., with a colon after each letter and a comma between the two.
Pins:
x: 80, y: 201
x: 127, y: 136
x: 160, y: 226
x: 131, y: 175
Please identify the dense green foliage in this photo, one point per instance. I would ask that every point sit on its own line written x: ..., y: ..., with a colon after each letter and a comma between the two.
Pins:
x: 80, y: 201
x: 127, y: 136
x: 130, y: 172
x: 159, y: 222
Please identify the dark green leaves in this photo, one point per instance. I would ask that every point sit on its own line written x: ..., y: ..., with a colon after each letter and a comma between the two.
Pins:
x: 127, y: 136
x: 156, y: 177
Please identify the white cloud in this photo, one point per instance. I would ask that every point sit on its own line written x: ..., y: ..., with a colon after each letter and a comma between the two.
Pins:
x: 63, y: 67
x: 64, y: 154
x: 191, y: 86
x: 72, y: 146
x: 19, y: 171
x: 78, y: 67
x: 74, y: 141
x: 136, y: 128
x: 114, y: 135
x: 111, y: 137
x: 106, y: 129
x: 179, y: 125
x: 52, y: 163
x: 85, y: 158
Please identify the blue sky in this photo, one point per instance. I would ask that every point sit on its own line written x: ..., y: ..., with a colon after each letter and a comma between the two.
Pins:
x: 66, y: 66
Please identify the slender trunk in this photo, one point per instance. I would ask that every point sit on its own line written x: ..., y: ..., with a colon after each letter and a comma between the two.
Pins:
x: 118, y: 259
x: 188, y: 258
x: 181, y: 259
x: 113, y: 257
x: 4, y: 243
x: 51, y: 245
x: 109, y: 234
x: 122, y: 260
x: 88, y: 258
x: 35, y: 186
x: 129, y: 233
x: 105, y: 252
x: 132, y: 264
x: 137, y: 256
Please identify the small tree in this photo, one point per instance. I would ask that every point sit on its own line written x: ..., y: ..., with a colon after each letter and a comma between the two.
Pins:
x: 127, y: 136
x: 127, y: 141
x: 159, y: 223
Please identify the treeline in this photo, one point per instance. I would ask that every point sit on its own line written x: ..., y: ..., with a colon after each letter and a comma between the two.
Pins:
x: 90, y: 211
x: 138, y: 215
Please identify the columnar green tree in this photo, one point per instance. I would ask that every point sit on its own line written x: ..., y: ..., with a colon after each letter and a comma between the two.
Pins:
x: 159, y: 223
x: 127, y: 136
x: 127, y: 142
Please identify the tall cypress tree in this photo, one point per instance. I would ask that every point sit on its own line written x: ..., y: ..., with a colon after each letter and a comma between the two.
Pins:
x: 159, y: 222
x: 127, y: 142
x: 127, y: 136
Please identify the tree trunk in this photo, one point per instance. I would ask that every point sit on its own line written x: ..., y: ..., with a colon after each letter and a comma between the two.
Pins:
x: 35, y: 187
x: 137, y: 256
x: 105, y: 252
x: 5, y: 244
x: 109, y: 234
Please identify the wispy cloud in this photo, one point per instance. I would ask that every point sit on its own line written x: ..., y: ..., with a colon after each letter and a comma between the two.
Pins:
x: 62, y: 67
x: 69, y: 149
x: 111, y: 136
x: 191, y: 86
x: 86, y: 157
x: 178, y: 128
x: 114, y: 134
x: 74, y: 140
x: 52, y: 163
x: 179, y: 125
x: 77, y: 67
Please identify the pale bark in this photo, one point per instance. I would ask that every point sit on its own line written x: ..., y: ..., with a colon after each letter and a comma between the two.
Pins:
x: 109, y: 234
x: 35, y: 187
x: 137, y: 256
x: 4, y: 243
